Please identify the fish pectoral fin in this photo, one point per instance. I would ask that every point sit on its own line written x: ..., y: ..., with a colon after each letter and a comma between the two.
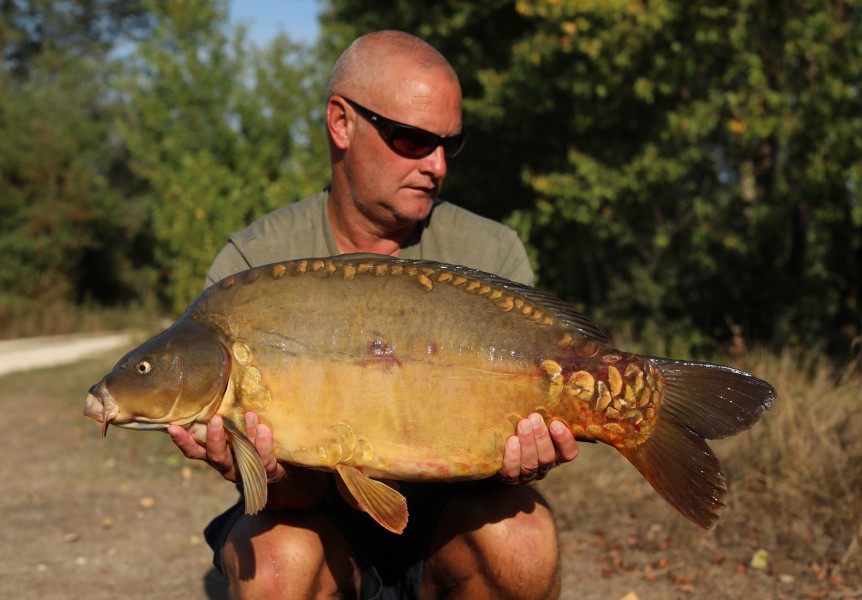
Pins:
x: 384, y: 504
x: 252, y: 473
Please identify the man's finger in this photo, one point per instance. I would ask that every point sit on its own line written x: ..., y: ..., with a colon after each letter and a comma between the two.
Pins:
x: 529, y: 452
x: 511, y: 467
x: 545, y: 452
x: 218, y: 452
x: 251, y: 423
x: 564, y: 442
x: 186, y: 443
x: 275, y: 472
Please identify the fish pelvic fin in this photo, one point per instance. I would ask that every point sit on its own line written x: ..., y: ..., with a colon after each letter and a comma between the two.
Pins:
x: 252, y: 473
x: 701, y: 401
x: 384, y: 504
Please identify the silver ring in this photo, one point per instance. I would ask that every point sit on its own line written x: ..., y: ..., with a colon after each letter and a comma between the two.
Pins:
x: 528, y: 475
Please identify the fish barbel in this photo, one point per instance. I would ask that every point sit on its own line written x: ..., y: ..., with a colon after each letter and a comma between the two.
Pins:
x: 380, y: 368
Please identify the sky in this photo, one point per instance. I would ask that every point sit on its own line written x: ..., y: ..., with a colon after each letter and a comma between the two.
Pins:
x: 265, y: 18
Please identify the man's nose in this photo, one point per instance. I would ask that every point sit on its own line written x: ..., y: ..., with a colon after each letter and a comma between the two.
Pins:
x: 435, y: 163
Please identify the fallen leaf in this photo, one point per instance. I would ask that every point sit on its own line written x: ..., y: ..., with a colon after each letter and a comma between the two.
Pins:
x: 760, y: 560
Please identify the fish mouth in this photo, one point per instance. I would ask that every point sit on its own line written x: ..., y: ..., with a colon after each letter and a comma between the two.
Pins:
x: 100, y: 406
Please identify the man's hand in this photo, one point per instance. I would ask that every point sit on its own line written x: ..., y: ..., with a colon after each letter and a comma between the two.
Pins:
x: 217, y: 453
x: 536, y: 449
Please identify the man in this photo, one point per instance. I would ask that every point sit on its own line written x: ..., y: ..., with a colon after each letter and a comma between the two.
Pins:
x: 393, y: 117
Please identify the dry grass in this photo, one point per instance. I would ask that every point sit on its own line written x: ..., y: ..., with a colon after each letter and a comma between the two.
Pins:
x: 802, y: 465
x: 26, y: 319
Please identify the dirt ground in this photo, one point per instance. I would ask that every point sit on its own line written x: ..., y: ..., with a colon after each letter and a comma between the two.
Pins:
x: 122, y: 517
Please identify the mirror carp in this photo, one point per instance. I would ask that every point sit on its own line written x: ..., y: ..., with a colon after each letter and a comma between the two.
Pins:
x: 380, y: 368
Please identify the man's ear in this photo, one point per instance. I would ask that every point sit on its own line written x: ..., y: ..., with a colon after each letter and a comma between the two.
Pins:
x: 338, y: 122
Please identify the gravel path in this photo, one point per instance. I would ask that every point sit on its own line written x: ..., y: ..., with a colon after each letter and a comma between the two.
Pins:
x: 25, y: 354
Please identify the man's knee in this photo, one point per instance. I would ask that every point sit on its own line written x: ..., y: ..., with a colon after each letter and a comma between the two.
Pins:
x: 521, y: 550
x: 501, y: 542
x: 287, y: 555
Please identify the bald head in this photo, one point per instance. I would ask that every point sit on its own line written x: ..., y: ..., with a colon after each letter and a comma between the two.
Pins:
x: 378, y: 60
x: 383, y: 180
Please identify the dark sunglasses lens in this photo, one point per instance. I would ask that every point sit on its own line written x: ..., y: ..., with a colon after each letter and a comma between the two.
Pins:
x: 414, y: 143
x: 418, y: 144
x: 453, y: 145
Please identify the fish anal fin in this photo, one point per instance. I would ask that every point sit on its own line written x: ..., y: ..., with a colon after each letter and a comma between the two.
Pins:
x: 682, y: 468
x: 252, y: 473
x: 384, y: 504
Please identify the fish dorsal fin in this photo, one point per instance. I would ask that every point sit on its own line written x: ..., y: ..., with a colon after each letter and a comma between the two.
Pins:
x: 381, y: 502
x: 251, y: 470
x: 567, y: 314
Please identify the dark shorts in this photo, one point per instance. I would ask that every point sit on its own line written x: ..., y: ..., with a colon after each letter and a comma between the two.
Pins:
x: 391, y: 564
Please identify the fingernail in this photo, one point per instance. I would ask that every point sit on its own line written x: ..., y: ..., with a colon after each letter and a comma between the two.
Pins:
x: 215, y: 423
x: 536, y: 420
x: 525, y: 427
x: 557, y: 427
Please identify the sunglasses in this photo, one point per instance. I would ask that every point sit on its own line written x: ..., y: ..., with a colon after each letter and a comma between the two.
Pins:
x: 407, y: 140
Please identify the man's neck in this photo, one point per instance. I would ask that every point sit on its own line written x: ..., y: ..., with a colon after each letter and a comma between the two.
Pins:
x: 354, y: 232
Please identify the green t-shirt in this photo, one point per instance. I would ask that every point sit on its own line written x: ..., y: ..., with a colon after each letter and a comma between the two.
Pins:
x: 449, y: 234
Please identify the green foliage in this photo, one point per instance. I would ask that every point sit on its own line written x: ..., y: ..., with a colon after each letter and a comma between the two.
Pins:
x: 219, y: 131
x: 686, y: 171
x: 32, y: 30
x: 64, y: 232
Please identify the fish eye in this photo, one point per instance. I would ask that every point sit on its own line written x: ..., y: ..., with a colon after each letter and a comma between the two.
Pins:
x: 143, y: 367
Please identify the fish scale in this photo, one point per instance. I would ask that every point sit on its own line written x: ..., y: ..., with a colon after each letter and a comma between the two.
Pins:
x: 380, y: 368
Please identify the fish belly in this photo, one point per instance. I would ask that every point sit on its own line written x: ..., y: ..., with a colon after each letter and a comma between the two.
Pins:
x: 410, y: 421
x: 404, y: 373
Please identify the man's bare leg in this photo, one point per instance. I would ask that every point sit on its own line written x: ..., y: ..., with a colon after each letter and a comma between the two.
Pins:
x: 275, y: 555
x: 494, y: 543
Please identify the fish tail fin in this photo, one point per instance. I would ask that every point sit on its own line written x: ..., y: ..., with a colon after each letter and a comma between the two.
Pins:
x: 701, y: 401
x: 680, y: 466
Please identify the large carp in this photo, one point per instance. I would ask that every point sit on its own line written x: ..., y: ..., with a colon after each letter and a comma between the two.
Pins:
x: 384, y: 368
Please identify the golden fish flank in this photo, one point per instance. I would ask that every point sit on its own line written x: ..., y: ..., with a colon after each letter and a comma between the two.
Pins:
x: 352, y: 360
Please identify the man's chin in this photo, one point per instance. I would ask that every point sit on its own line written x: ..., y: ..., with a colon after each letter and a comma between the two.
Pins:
x: 417, y: 206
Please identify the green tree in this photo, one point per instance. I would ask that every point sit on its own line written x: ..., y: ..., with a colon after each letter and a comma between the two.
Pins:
x: 31, y: 29
x: 687, y: 169
x: 220, y: 131
x: 65, y: 230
